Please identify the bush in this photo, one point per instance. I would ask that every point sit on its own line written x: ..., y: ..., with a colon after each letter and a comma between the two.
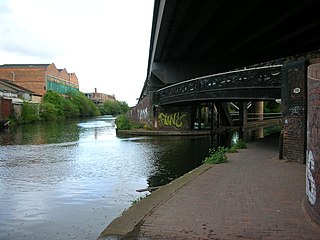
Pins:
x: 216, y: 156
x: 123, y: 122
x: 85, y: 106
x: 77, y: 104
x: 49, y: 111
x: 29, y: 112
x: 112, y: 107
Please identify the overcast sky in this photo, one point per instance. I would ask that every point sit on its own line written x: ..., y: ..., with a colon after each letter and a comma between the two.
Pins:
x: 105, y: 42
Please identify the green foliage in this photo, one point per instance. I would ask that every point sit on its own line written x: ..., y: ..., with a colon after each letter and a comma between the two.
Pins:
x: 71, y: 110
x: 124, y: 107
x: 29, y: 112
x: 123, y: 122
x: 57, y: 100
x: 219, y: 155
x: 238, y: 145
x: 55, y: 106
x: 85, y: 106
x: 111, y: 107
x: 271, y: 107
x: 49, y: 111
x: 216, y: 156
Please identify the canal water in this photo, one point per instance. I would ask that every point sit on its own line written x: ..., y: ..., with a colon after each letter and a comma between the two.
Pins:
x: 69, y: 180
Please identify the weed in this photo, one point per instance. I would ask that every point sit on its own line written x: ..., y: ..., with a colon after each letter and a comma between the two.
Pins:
x: 216, y: 156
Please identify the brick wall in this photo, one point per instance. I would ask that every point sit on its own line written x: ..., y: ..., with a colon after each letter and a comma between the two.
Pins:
x: 313, y: 141
x: 293, y: 104
x: 63, y: 74
x: 74, y: 78
x: 52, y: 70
x: 143, y: 111
x: 32, y: 78
x: 5, y: 108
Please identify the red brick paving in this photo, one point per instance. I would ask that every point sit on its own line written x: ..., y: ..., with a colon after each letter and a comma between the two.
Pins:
x: 252, y: 196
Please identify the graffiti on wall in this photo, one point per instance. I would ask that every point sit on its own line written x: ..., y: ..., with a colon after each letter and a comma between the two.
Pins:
x: 296, y: 110
x: 172, y: 120
x: 310, y: 184
x: 143, y: 114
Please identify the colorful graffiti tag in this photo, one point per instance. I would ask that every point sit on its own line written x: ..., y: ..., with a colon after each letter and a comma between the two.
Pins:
x: 172, y: 120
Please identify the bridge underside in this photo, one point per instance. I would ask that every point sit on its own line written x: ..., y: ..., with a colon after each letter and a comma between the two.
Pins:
x: 192, y: 38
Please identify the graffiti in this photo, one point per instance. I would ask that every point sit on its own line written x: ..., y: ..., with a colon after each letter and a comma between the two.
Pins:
x: 310, y: 184
x: 296, y: 110
x: 173, y: 120
x: 143, y: 114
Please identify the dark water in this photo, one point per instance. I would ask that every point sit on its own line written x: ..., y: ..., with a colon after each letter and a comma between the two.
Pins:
x: 69, y: 180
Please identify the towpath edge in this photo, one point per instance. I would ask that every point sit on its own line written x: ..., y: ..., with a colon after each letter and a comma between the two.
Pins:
x: 129, y: 219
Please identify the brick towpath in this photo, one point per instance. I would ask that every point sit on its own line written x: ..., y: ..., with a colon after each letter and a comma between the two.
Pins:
x: 252, y: 196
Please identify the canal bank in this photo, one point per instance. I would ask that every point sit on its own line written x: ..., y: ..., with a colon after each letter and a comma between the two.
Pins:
x: 252, y: 196
x: 203, y: 132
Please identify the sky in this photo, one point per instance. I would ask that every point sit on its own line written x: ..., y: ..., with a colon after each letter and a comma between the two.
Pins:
x: 105, y: 42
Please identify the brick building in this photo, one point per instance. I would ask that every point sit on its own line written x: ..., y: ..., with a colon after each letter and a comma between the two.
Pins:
x: 99, y: 98
x: 39, y: 78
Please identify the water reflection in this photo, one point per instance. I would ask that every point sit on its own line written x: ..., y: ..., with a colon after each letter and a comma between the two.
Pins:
x: 41, y: 133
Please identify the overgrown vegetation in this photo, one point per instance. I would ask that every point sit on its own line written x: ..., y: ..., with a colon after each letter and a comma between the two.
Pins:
x: 240, y: 144
x: 111, y: 107
x: 123, y: 122
x: 76, y: 104
x: 217, y: 156
x: 29, y: 113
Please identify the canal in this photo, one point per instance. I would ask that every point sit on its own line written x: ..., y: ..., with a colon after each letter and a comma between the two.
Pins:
x: 69, y: 180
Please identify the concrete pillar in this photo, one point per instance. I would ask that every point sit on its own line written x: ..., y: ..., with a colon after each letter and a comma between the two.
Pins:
x: 243, y: 114
x: 313, y: 142
x: 257, y: 109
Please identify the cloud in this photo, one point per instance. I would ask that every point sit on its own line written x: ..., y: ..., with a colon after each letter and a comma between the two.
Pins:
x: 105, y: 42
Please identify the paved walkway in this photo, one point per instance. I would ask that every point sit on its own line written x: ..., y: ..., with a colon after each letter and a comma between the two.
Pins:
x: 252, y: 196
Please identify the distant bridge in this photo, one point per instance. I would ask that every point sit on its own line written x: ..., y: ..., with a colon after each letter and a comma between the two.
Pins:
x: 262, y: 83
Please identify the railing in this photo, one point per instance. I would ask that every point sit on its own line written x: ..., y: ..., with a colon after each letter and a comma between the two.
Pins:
x: 262, y: 77
x: 257, y: 116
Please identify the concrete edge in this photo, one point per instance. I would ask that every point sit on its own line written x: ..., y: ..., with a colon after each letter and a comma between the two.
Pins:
x: 130, y: 218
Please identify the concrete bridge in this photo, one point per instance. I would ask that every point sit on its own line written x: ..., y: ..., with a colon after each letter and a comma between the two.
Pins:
x: 206, y: 54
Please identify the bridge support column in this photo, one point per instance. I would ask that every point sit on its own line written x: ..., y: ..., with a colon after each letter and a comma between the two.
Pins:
x: 293, y: 105
x: 243, y: 114
x: 257, y: 110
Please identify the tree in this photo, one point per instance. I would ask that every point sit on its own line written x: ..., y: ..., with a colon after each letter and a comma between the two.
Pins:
x: 111, y: 107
